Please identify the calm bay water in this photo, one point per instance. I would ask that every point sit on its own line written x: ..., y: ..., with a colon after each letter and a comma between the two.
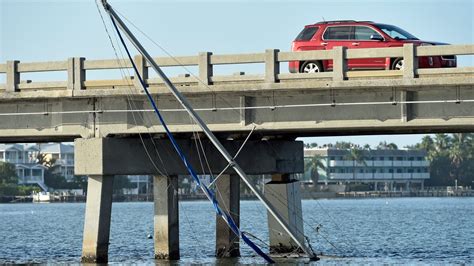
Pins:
x: 395, y: 230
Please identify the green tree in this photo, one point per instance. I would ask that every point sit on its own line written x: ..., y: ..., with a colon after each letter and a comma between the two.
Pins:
x: 314, y: 164
x: 356, y: 155
x: 460, y: 153
x: 383, y: 145
x: 343, y: 145
x: 8, y: 174
x: 8, y: 179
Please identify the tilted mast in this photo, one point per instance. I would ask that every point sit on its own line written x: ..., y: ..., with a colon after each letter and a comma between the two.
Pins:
x: 183, y: 101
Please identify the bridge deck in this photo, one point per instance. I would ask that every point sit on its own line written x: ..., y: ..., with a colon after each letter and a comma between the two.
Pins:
x: 330, y: 103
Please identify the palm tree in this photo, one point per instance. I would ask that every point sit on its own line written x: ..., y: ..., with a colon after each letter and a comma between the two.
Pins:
x: 356, y: 155
x: 428, y: 145
x: 458, y: 152
x: 315, y: 163
x: 441, y: 144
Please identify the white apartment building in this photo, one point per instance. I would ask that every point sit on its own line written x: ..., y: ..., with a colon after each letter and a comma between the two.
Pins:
x: 402, y: 167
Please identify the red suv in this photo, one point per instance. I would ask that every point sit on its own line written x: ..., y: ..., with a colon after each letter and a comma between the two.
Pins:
x: 359, y: 34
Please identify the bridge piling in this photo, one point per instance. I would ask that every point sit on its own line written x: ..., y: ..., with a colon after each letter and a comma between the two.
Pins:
x: 95, y: 245
x: 284, y: 193
x: 166, y: 217
x: 228, y: 196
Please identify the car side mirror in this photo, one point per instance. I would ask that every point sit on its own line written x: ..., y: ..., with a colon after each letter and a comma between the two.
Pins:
x: 376, y: 37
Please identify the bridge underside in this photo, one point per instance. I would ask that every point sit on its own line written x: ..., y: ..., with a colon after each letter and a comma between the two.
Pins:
x: 285, y: 110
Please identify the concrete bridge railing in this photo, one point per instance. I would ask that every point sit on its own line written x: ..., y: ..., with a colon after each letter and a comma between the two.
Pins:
x: 77, y: 67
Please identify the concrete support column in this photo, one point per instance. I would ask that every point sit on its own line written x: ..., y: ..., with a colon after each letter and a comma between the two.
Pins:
x: 166, y: 220
x: 284, y: 194
x: 422, y: 184
x: 228, y: 196
x: 407, y: 186
x: 375, y: 186
x: 95, y: 245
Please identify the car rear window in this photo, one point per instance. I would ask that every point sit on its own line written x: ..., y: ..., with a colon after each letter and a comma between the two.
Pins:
x: 338, y: 33
x: 306, y: 34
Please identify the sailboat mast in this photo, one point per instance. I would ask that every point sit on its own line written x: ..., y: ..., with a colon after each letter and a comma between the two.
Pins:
x: 183, y: 101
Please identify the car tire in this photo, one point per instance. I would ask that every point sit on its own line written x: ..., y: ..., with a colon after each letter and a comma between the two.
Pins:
x: 312, y: 67
x: 397, y: 64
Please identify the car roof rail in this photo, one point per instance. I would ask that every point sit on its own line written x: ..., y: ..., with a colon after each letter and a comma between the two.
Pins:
x: 335, y: 21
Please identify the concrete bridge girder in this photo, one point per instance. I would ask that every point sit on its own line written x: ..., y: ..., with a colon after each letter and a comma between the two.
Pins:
x: 102, y: 116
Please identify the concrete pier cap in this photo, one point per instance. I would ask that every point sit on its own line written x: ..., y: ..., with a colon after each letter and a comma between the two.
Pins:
x: 131, y: 156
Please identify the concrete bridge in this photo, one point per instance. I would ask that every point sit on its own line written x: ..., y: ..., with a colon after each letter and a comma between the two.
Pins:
x: 116, y: 132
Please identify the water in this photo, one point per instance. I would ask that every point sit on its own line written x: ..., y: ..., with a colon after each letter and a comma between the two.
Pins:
x: 395, y: 230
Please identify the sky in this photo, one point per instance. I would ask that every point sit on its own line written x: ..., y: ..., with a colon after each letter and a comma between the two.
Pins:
x: 56, y: 30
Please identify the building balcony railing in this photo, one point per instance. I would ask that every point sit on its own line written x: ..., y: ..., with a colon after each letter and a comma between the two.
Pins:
x: 370, y: 163
x: 378, y: 176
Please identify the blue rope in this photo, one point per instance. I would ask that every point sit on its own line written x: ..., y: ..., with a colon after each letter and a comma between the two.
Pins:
x: 230, y: 222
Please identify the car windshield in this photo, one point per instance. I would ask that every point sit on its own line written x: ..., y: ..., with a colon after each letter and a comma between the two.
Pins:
x: 395, y: 32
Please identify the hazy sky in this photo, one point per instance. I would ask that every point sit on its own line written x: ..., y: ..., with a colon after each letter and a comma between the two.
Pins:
x: 55, y: 30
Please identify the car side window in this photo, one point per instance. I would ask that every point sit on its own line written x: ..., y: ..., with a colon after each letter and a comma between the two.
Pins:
x: 306, y: 34
x: 337, y: 33
x: 364, y: 33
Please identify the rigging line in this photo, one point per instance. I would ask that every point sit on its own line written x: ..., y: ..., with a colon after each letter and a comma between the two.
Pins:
x: 292, y: 209
x: 236, y: 154
x: 129, y: 100
x: 205, y: 189
x: 173, y: 58
x: 142, y: 116
x: 335, y: 223
x: 196, y: 139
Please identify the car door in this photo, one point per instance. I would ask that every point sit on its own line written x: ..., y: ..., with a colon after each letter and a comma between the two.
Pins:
x: 363, y: 37
x: 333, y: 36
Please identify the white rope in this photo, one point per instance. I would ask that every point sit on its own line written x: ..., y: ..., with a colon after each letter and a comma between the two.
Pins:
x: 271, y: 107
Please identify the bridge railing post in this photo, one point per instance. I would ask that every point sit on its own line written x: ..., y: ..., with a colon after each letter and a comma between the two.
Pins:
x: 410, y: 61
x: 339, y: 63
x: 13, y: 76
x: 205, y: 67
x: 70, y: 73
x: 272, y: 66
x: 79, y: 73
x: 142, y: 68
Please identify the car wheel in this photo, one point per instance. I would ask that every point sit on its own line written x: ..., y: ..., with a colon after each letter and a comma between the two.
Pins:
x: 311, y: 67
x: 397, y: 64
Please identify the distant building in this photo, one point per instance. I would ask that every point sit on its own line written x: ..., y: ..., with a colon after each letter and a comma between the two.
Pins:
x: 389, y: 169
x: 24, y: 159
